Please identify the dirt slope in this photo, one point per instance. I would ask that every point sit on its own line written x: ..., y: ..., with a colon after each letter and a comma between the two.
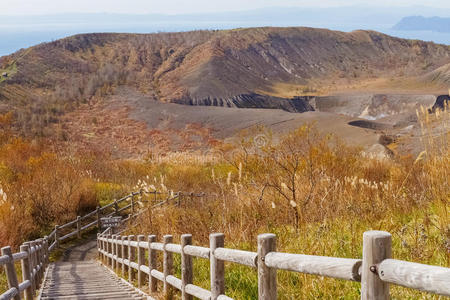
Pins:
x: 145, y: 77
x: 131, y: 124
x: 229, y: 67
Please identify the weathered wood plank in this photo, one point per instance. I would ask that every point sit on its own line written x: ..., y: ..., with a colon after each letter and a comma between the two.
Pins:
x: 341, y: 268
x: 9, y: 294
x: 4, y: 259
x: 426, y: 278
x: 197, y: 251
x: 85, y: 280
x: 157, y: 246
x: 174, y: 248
x: 157, y: 274
x: 198, y: 292
x: 224, y: 297
x: 246, y: 258
x: 173, y: 281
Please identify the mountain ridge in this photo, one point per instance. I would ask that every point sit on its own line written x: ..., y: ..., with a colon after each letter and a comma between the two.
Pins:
x: 192, y: 67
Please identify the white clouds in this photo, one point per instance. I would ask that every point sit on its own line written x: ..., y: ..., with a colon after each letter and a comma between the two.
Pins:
x: 20, y: 7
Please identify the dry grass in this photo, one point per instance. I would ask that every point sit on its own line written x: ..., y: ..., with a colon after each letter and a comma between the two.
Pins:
x: 318, y: 196
x: 287, y: 90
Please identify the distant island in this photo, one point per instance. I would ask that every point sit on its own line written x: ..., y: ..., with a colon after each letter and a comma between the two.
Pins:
x: 416, y: 23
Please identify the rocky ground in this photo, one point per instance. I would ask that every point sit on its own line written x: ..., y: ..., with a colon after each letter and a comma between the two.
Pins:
x: 132, y: 124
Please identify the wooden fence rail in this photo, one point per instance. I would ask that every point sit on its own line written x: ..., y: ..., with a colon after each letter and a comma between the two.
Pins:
x: 135, y: 258
x: 34, y: 255
x: 34, y: 258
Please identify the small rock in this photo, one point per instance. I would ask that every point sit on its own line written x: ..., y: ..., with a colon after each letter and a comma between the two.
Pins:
x: 378, y: 151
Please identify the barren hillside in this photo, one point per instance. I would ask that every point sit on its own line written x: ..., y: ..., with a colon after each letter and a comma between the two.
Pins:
x: 215, y: 67
x: 281, y: 68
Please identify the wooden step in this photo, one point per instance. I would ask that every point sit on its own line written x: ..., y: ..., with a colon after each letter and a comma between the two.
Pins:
x: 85, y: 280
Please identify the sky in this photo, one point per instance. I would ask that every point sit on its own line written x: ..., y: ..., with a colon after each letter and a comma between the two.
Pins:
x: 38, y: 7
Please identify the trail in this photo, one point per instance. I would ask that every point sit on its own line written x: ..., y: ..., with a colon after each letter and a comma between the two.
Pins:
x: 79, y: 276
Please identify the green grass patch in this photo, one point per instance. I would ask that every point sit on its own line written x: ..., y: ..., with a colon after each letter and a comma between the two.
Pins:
x: 10, y: 70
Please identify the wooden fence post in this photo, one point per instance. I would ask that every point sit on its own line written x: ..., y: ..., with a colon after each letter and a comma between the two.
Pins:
x: 46, y: 252
x: 11, y: 274
x: 39, y: 256
x: 116, y: 208
x: 26, y: 274
x: 101, y: 246
x: 140, y: 260
x: 376, y: 248
x: 30, y: 263
x: 179, y: 197
x: 119, y: 252
x: 267, y: 277
x: 79, y: 227
x: 35, y: 264
x: 108, y: 250
x: 41, y: 259
x: 131, y: 258
x: 217, y: 267
x: 105, y: 248
x: 98, y: 247
x: 167, y: 266
x: 152, y: 282
x: 31, y: 259
x: 99, y: 224
x: 124, y: 256
x: 113, y: 252
x: 56, y: 236
x: 132, y: 206
x: 186, y: 266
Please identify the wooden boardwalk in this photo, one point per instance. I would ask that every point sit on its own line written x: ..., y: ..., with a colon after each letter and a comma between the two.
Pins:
x: 85, y: 280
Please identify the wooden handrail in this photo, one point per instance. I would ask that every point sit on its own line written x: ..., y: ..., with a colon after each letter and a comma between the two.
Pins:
x: 376, y: 260
x: 36, y: 255
x: 34, y: 259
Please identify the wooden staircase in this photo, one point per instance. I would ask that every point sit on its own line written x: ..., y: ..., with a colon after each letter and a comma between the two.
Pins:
x: 85, y: 280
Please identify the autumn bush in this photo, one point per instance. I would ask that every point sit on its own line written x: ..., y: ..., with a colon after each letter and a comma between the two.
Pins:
x: 41, y: 187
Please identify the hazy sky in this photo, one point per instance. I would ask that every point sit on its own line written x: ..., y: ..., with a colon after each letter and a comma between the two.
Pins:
x: 21, y: 7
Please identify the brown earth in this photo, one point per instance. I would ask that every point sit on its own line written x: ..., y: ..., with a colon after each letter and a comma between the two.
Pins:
x: 132, y: 124
x: 118, y: 92
x: 221, y: 66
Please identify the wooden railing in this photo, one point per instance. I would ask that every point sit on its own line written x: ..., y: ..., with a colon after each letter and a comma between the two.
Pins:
x: 34, y: 255
x: 135, y: 258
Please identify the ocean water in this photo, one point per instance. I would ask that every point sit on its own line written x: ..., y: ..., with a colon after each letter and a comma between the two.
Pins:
x: 14, y: 37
